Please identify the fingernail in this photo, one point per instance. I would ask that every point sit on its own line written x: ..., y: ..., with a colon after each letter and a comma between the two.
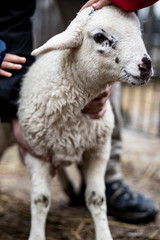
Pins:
x: 94, y: 5
x: 9, y: 74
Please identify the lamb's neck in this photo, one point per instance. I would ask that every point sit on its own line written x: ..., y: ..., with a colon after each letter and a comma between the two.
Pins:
x: 84, y: 86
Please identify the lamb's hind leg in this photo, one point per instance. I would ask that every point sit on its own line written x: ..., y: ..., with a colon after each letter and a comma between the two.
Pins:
x: 95, y: 162
x: 40, y: 195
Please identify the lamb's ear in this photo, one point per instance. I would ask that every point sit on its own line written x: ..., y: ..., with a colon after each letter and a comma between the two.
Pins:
x: 70, y: 38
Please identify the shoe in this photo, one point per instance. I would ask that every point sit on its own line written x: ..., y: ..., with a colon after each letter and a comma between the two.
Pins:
x: 128, y: 206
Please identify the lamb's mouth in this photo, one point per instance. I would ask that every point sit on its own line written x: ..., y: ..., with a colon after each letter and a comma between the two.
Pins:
x: 136, y: 79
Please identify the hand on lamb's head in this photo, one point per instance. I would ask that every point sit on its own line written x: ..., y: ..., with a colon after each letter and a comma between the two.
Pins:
x: 96, y: 4
x: 96, y: 108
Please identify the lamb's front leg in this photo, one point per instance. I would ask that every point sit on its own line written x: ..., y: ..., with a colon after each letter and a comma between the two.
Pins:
x: 40, y: 195
x: 95, y: 162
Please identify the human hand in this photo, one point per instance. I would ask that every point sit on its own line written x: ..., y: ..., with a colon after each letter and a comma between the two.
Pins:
x: 21, y: 142
x: 11, y: 61
x: 96, y: 4
x: 96, y: 108
x: 23, y: 146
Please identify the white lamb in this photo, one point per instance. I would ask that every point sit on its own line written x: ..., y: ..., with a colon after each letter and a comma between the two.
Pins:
x: 97, y: 49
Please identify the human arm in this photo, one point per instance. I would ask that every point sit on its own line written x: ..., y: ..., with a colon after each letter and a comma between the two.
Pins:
x: 24, y: 147
x: 131, y: 6
x: 3, y: 49
x: 96, y: 108
x: 128, y: 5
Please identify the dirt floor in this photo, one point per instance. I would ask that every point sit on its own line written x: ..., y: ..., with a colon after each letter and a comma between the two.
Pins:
x: 141, y: 169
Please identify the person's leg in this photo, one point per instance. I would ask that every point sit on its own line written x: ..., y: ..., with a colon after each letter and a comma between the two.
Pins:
x: 123, y: 202
x: 6, y: 137
x: 114, y: 168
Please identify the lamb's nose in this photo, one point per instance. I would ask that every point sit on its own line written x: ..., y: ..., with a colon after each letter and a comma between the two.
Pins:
x: 145, y: 67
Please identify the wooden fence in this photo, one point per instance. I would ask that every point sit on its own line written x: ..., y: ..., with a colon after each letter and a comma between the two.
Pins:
x: 141, y: 107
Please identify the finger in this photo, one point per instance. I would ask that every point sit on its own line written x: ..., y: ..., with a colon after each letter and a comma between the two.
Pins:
x: 99, y: 114
x: 99, y: 102
x: 95, y: 105
x: 9, y: 65
x: 5, y: 73
x: 100, y: 4
x: 109, y: 89
x: 101, y: 98
x: 94, y: 110
x: 88, y: 4
x: 14, y: 58
x: 106, y: 93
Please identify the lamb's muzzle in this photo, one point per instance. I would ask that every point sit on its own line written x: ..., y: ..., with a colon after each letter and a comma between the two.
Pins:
x: 144, y: 74
x: 146, y: 67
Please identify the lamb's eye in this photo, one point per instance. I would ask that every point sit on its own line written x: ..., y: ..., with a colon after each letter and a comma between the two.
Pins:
x: 99, y: 38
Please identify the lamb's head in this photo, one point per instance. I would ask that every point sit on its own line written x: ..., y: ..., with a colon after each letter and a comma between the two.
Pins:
x: 106, y: 44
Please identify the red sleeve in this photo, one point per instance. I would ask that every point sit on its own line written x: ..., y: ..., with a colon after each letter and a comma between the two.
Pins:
x: 133, y: 5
